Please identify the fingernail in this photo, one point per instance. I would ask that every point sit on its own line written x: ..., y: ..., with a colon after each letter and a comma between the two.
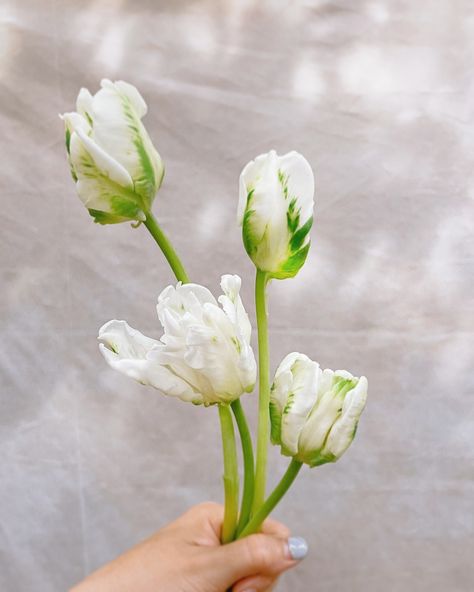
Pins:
x: 297, y: 547
x: 249, y: 590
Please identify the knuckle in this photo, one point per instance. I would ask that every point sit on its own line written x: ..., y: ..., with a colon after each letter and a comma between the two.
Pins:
x: 260, y: 551
x: 284, y: 532
x: 205, y: 508
x: 276, y: 528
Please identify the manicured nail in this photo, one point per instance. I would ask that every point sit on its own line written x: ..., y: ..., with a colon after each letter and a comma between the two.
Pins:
x: 298, y: 547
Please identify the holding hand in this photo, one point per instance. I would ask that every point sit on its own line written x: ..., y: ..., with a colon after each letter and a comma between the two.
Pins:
x: 186, y: 556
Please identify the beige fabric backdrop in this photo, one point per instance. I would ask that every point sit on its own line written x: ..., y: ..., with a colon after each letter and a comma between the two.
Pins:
x: 379, y: 97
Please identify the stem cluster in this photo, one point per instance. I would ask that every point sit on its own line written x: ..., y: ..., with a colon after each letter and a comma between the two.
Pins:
x: 254, y: 507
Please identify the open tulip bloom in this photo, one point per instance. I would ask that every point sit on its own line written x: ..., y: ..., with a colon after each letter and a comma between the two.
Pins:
x: 204, y: 355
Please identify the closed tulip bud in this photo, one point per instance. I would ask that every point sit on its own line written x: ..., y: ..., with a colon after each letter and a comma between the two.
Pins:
x: 204, y: 355
x: 314, y: 413
x: 115, y: 166
x: 276, y: 212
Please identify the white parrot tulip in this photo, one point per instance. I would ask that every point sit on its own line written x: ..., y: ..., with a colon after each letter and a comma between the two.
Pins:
x: 113, y: 162
x: 204, y: 355
x: 276, y: 199
x: 314, y: 413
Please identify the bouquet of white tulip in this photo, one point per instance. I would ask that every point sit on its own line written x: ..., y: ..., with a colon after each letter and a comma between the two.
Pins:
x: 204, y: 355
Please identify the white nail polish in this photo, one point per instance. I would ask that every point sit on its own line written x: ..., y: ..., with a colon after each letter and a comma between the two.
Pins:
x: 298, y: 547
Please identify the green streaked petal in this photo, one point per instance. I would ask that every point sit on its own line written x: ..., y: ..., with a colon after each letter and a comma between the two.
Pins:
x: 293, y: 264
x: 341, y: 385
x: 289, y: 403
x: 148, y: 178
x: 68, y: 140
x: 250, y: 239
x: 275, y: 422
x: 99, y: 192
x: 318, y: 459
x: 293, y: 215
x: 300, y: 235
x: 105, y: 217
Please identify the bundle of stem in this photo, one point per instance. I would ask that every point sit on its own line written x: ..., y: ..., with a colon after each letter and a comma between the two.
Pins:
x: 253, y: 508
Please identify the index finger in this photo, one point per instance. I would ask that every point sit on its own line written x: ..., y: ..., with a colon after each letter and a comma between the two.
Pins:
x: 275, y: 528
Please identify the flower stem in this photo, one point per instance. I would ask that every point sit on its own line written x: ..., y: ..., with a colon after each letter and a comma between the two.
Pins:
x: 261, y: 281
x: 228, y: 437
x: 273, y: 499
x: 231, y: 475
x: 247, y: 453
x: 166, y: 247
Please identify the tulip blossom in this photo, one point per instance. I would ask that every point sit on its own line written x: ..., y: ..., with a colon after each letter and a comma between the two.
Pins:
x: 314, y: 412
x: 204, y: 355
x: 113, y: 162
x: 276, y: 212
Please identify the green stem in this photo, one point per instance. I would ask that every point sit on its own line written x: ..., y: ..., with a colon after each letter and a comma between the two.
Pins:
x: 273, y: 499
x: 231, y: 475
x: 264, y: 390
x: 166, y: 247
x: 249, y: 467
x: 230, y: 457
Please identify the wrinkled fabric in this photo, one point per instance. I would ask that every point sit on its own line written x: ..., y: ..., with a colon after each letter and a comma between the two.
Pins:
x: 378, y: 96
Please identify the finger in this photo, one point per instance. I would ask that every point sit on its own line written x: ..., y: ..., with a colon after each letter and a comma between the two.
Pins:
x: 204, y: 515
x: 276, y: 528
x: 204, y: 512
x: 258, y: 554
x: 255, y: 584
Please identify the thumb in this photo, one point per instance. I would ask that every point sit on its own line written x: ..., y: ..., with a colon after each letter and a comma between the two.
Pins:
x: 257, y: 554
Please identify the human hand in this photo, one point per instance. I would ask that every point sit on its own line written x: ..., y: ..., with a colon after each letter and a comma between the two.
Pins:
x: 187, y: 556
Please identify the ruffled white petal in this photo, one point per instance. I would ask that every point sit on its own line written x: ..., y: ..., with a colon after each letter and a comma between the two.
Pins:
x: 173, y: 361
x: 320, y: 422
x: 314, y: 413
x: 232, y: 305
x: 96, y: 189
x: 73, y: 121
x: 343, y: 431
x: 131, y: 92
x: 84, y: 103
x: 182, y: 299
x: 304, y: 391
x: 300, y: 181
x: 127, y: 350
x: 204, y: 355
x: 104, y: 162
x: 278, y: 397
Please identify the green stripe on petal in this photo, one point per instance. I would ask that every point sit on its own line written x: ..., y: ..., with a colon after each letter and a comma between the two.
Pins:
x: 149, y: 178
x: 248, y: 234
x: 341, y: 386
x: 293, y: 215
x: 300, y: 235
x: 105, y: 217
x: 100, y: 193
x: 68, y: 140
x: 293, y: 264
x: 318, y: 459
x: 275, y: 423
